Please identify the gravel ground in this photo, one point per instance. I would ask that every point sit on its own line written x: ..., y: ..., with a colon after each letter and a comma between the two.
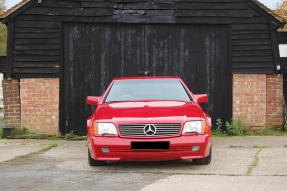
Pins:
x: 239, y: 163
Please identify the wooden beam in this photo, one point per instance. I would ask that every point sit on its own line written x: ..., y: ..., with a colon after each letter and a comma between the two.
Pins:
x: 10, y: 48
x: 282, y: 37
x: 3, y: 63
x: 275, y: 46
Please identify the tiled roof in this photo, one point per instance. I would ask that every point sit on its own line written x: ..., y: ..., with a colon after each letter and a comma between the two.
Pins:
x: 266, y: 9
x: 23, y: 2
x: 14, y: 8
x: 282, y: 11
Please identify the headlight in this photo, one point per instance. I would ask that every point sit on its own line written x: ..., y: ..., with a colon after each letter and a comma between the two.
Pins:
x: 197, y: 127
x: 100, y: 129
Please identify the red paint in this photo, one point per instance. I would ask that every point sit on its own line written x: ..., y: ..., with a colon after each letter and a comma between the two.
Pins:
x: 92, y: 100
x: 201, y: 98
x: 148, y: 112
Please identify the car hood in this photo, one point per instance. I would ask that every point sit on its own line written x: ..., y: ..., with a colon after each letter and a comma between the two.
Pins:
x: 154, y: 111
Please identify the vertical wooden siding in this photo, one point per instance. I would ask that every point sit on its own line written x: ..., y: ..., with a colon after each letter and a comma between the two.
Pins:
x: 96, y: 53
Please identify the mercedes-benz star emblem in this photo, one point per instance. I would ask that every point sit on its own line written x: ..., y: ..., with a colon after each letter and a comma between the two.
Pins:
x: 149, y: 130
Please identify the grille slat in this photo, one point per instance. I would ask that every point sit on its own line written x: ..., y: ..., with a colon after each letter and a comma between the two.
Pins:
x: 137, y: 130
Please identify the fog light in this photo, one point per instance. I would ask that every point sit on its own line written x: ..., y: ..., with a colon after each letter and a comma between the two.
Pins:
x: 105, y: 150
x: 195, y: 148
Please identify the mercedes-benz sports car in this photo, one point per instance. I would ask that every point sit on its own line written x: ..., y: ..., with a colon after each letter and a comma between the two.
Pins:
x: 148, y: 119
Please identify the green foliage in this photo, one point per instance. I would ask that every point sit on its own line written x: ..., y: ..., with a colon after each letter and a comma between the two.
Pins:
x: 3, y: 35
x: 2, y: 6
x: 3, y: 39
x: 237, y: 127
x: 219, y: 129
x: 24, y: 133
x: 241, y: 128
x: 219, y: 125
x: 269, y: 132
x: 233, y: 128
x: 20, y: 132
x: 13, y: 132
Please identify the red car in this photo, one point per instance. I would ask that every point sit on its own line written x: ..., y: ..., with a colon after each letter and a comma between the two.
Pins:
x: 148, y: 119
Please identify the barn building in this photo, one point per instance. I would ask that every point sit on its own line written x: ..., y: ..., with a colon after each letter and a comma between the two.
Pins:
x: 60, y: 51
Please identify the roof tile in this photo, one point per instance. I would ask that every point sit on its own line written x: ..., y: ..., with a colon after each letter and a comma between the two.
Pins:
x: 266, y: 9
x: 14, y: 8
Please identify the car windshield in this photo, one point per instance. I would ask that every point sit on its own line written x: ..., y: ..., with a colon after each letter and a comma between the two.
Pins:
x: 147, y: 90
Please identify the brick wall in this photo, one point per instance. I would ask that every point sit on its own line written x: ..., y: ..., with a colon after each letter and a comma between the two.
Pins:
x: 40, y: 105
x: 258, y: 99
x: 274, y: 100
x: 249, y: 98
x: 11, y: 93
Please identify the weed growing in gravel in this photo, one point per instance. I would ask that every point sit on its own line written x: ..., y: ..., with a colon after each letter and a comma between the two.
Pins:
x: 219, y: 129
x: 255, y: 162
x: 23, y: 133
x: 237, y: 127
x: 233, y: 128
x: 241, y: 128
x: 43, y: 150
x: 259, y: 146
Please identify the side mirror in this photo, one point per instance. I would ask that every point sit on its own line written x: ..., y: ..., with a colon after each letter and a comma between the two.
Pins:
x: 92, y: 100
x: 201, y: 98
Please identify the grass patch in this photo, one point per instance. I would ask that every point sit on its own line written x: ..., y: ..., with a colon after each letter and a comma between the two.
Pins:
x: 261, y: 132
x: 22, y: 157
x: 49, y: 147
x: 259, y: 146
x: 233, y: 128
x: 23, y: 133
x: 217, y: 133
x: 269, y: 132
x: 48, y: 137
x: 241, y: 128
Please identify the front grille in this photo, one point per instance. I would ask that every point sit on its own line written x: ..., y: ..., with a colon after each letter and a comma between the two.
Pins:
x: 137, y: 130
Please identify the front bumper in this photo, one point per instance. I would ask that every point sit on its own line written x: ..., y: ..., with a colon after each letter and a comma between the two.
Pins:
x: 120, y: 148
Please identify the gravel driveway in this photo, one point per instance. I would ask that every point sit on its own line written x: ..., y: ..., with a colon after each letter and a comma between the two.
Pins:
x: 239, y: 163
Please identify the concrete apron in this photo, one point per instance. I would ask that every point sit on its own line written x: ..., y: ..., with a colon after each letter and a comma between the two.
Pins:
x: 239, y: 163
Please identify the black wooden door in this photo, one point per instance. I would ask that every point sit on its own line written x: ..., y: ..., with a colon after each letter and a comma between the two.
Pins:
x: 96, y: 53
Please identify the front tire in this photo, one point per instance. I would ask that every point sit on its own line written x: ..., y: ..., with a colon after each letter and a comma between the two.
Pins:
x: 204, y: 161
x: 93, y: 162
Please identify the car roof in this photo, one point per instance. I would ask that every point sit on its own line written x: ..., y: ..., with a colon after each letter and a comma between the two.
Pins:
x: 146, y: 78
